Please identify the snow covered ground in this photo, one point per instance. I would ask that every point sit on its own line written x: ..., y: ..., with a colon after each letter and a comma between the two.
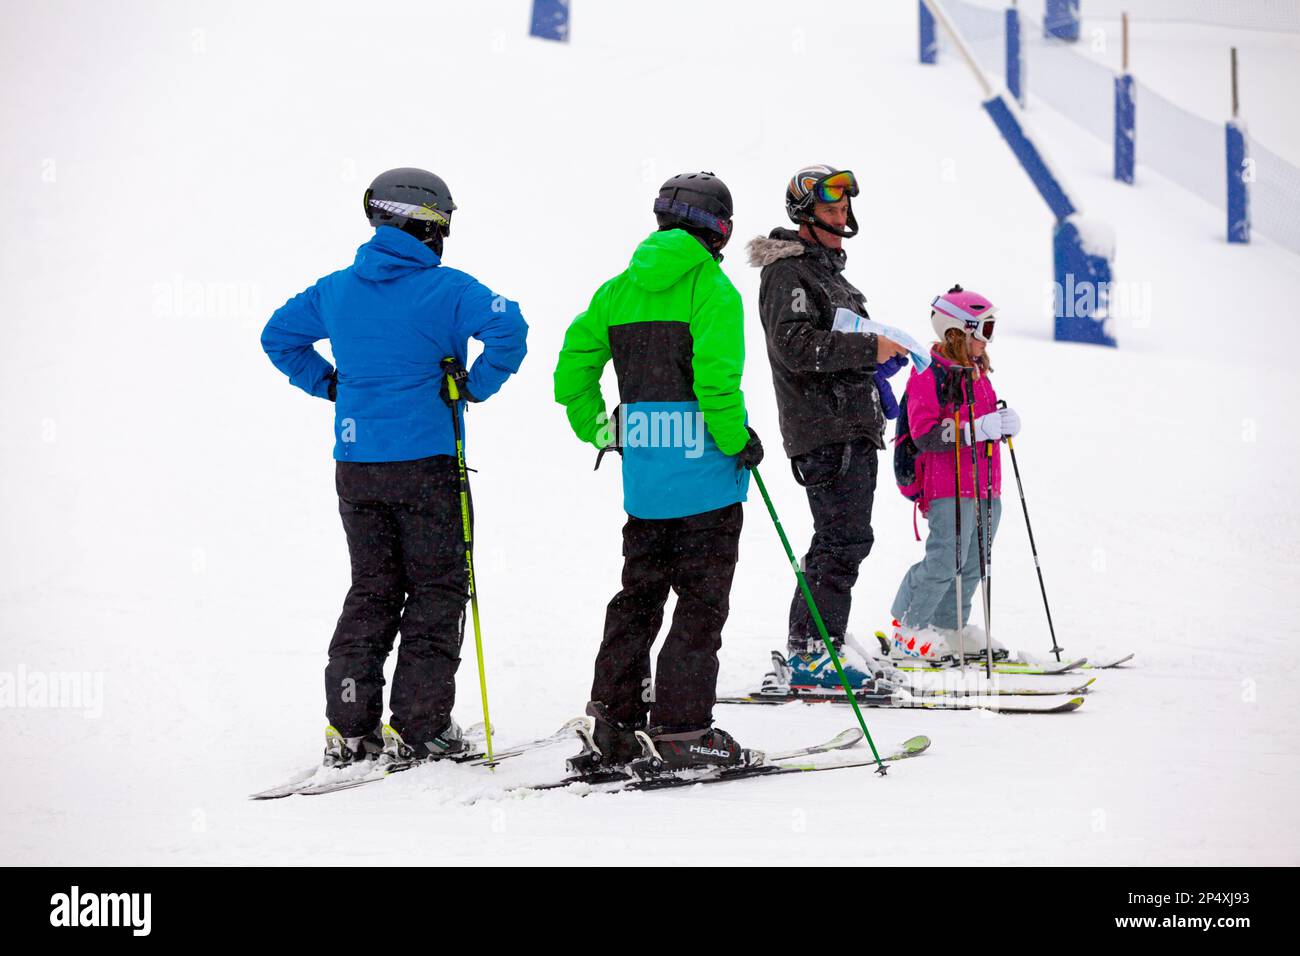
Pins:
x: 173, y: 172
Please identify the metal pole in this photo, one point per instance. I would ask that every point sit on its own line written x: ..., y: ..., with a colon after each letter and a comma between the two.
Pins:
x: 468, y: 533
x: 817, y: 619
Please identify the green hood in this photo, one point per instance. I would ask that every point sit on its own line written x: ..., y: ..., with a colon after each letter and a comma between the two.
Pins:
x: 664, y: 257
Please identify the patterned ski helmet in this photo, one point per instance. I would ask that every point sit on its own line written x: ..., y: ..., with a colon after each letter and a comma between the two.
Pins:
x: 413, y: 200
x: 821, y: 183
x: 959, y: 309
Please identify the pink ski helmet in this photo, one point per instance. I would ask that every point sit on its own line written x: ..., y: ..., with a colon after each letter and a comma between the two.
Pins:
x: 959, y: 309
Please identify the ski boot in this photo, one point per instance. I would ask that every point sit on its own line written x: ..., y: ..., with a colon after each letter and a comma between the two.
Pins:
x: 922, y: 645
x: 671, y: 752
x: 808, y: 673
x: 343, y: 751
x: 974, y: 641
x: 607, y: 745
x: 398, y: 753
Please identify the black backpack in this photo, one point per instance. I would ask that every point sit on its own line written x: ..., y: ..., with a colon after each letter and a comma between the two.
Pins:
x: 905, y: 450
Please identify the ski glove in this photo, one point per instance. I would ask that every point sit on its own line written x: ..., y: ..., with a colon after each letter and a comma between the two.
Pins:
x: 1010, y: 423
x: 333, y: 393
x: 888, y: 404
x: 890, y: 367
x: 987, y: 428
x: 751, y: 456
x: 884, y: 371
x: 459, y: 375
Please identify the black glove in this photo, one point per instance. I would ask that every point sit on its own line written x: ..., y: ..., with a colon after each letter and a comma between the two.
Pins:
x: 334, y: 386
x: 751, y: 456
x: 459, y: 375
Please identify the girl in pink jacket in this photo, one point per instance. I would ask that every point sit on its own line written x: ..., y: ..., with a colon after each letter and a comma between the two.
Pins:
x: 926, y: 621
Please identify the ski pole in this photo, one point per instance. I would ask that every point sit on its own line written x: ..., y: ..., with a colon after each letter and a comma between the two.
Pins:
x: 466, y: 525
x: 988, y: 553
x: 817, y: 619
x: 1032, y: 547
x: 956, y: 511
x: 979, y: 519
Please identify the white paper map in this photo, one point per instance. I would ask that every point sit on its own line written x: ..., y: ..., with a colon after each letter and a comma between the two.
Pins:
x: 846, y: 320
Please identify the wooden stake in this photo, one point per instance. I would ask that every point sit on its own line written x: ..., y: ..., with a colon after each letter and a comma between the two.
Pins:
x: 1234, y: 82
x: 1124, y: 21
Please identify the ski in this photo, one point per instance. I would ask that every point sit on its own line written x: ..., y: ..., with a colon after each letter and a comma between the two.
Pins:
x: 618, y: 782
x: 1109, y: 664
x: 383, y: 773
x: 842, y: 741
x: 1020, y: 707
x: 914, y: 691
x: 1048, y: 669
x: 569, y: 731
x: 319, y: 779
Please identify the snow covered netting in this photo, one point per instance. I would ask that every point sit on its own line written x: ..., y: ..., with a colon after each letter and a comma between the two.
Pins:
x: 1182, y: 142
x: 984, y: 30
x: 1275, y: 196
x: 1180, y: 145
x: 1271, y: 15
x: 1058, y: 76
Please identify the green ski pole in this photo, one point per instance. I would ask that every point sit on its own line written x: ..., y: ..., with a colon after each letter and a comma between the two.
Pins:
x: 466, y: 526
x: 817, y: 619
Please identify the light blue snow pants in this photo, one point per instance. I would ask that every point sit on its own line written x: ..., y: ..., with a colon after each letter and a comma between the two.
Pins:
x: 928, y: 594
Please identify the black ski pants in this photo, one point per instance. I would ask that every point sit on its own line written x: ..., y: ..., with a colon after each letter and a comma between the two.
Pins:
x: 695, y: 557
x: 406, y: 543
x: 840, y: 480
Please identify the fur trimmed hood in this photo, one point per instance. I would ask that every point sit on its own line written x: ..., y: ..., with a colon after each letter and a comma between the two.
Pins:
x: 782, y: 244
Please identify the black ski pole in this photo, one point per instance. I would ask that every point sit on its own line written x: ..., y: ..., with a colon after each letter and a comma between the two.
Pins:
x: 979, y: 519
x: 1056, y: 649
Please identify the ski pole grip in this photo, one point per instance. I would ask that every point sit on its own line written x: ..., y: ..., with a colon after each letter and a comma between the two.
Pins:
x: 1002, y: 403
x: 448, y: 366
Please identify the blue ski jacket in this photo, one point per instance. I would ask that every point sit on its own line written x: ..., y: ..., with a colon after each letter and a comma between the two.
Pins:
x: 391, y: 318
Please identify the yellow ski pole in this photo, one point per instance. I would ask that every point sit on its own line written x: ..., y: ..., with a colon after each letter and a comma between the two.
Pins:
x: 454, y: 393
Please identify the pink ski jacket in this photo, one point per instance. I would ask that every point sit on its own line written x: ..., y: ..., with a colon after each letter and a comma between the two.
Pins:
x: 937, y: 470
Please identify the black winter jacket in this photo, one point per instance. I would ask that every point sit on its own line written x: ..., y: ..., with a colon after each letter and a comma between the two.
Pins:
x: 825, y: 392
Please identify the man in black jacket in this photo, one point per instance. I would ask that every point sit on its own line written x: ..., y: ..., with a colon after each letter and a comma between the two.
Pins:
x: 831, y: 420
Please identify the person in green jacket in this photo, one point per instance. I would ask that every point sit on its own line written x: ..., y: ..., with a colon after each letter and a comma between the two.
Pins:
x: 673, y: 325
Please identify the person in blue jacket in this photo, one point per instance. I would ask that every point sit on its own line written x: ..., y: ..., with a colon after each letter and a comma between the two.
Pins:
x: 391, y: 318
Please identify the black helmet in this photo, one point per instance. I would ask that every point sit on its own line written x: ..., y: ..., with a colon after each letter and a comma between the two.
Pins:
x: 414, y: 201
x: 700, y: 203
x: 821, y: 183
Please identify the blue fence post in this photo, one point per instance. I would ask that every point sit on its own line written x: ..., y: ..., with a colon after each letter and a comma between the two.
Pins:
x: 1125, y: 128
x: 1040, y: 173
x: 550, y: 20
x: 1238, y: 188
x: 929, y: 41
x: 1083, y: 283
x: 1061, y: 19
x: 1015, y: 62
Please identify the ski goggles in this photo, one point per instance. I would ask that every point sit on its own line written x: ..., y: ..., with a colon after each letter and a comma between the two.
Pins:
x: 977, y: 326
x: 981, y: 329
x: 694, y: 215
x: 424, y: 213
x: 835, y: 187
